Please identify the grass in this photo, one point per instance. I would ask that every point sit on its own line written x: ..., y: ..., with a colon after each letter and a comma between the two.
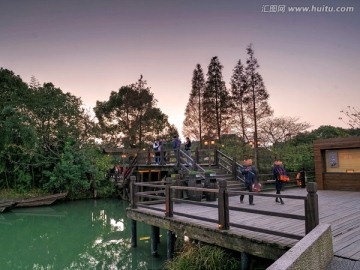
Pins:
x: 203, y: 257
x: 12, y: 194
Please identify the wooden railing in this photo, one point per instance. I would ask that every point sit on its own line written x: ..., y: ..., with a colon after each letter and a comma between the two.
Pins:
x: 201, y: 158
x: 231, y: 166
x: 164, y: 192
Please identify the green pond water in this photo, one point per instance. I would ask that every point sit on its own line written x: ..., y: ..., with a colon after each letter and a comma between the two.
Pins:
x: 88, y: 234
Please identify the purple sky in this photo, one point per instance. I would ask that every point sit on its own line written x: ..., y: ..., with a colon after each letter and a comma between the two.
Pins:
x: 309, y: 61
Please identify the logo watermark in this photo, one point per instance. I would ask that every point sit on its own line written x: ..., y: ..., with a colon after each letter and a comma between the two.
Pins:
x: 306, y: 9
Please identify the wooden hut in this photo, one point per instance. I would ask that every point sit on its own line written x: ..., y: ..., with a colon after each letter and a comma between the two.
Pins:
x: 337, y: 163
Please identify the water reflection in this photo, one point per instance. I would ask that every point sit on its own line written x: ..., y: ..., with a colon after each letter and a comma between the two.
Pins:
x: 74, y: 235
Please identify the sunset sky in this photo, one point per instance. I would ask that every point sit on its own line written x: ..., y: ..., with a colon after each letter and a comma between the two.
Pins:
x: 309, y: 60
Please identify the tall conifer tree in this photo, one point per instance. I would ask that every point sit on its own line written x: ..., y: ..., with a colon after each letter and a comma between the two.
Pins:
x: 239, y: 93
x: 192, y: 125
x: 258, y: 107
x: 216, y: 101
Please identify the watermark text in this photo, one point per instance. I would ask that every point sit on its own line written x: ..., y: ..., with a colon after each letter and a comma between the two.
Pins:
x: 305, y: 9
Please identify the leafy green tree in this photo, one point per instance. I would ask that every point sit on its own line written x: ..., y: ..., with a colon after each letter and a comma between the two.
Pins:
x: 297, y: 152
x: 322, y: 132
x: 58, y: 117
x: 18, y: 144
x: 258, y: 107
x: 130, y: 119
x: 13, y: 91
x: 216, y: 101
x: 192, y: 125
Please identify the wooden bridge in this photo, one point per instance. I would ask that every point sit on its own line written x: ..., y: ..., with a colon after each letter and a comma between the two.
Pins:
x: 224, y: 222
x: 266, y: 230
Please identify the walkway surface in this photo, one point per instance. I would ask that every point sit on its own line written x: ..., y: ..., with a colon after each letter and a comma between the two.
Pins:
x: 340, y: 209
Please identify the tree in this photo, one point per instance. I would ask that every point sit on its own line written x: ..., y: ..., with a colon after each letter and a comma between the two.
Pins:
x: 13, y: 91
x: 280, y: 129
x: 352, y: 115
x: 258, y: 107
x: 297, y: 151
x: 216, y: 101
x: 46, y: 137
x: 240, y: 100
x: 192, y: 125
x: 129, y: 118
x: 18, y: 144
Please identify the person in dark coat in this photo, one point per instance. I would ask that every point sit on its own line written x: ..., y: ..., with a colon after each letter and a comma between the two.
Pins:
x: 250, y: 174
x: 277, y: 170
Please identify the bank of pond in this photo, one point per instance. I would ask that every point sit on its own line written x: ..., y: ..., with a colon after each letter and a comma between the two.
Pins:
x: 93, y: 234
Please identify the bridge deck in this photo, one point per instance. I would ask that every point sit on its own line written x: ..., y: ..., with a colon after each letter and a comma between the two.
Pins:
x: 341, y: 209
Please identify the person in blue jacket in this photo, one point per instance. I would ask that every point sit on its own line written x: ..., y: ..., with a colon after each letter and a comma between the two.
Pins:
x: 277, y: 170
x: 250, y: 174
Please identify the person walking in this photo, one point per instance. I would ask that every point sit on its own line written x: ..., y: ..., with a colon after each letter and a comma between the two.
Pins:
x: 188, y: 150
x: 176, y: 146
x: 278, y: 170
x: 249, y: 172
x: 156, y: 146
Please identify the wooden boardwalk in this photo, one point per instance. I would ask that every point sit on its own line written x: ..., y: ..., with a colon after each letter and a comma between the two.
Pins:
x: 341, y: 209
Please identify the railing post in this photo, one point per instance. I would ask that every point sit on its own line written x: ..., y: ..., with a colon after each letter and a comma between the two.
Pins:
x: 133, y: 191
x: 148, y: 157
x: 223, y: 205
x: 168, y: 199
x: 197, y: 155
x: 216, y: 160
x: 311, y: 208
x: 177, y: 156
x: 178, y: 193
x: 234, y: 171
x: 303, y: 178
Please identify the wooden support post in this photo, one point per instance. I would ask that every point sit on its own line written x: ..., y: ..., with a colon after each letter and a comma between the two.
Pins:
x: 311, y: 207
x: 133, y: 233
x: 162, y: 158
x: 170, y: 244
x: 197, y: 159
x: 216, y: 160
x: 178, y: 193
x: 168, y: 199
x: 148, y: 157
x: 303, y: 177
x: 223, y: 204
x: 234, y: 169
x: 154, y: 241
x: 157, y: 234
x: 133, y: 191
x: 245, y: 261
x: 177, y: 156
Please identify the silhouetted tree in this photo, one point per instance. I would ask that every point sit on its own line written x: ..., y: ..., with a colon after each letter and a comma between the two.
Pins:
x: 216, y: 101
x: 240, y: 100
x: 192, y: 125
x: 281, y: 129
x: 352, y: 115
x: 129, y: 118
x: 258, y: 107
